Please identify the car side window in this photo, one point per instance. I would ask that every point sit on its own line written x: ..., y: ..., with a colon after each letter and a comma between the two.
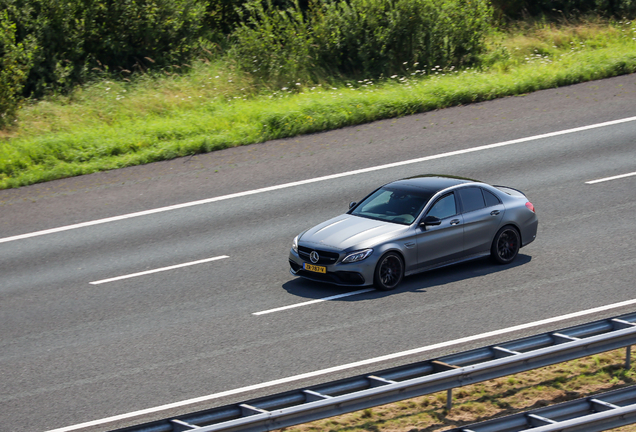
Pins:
x: 444, y: 207
x: 491, y: 199
x: 472, y: 199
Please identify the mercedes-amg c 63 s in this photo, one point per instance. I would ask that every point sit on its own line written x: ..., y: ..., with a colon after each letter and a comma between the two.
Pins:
x: 413, y: 225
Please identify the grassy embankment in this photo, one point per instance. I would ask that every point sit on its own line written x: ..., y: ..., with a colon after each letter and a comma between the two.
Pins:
x: 490, y: 399
x: 112, y: 124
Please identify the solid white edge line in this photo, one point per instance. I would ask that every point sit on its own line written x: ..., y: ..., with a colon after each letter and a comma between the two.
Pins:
x: 611, y: 178
x: 345, y: 366
x: 313, y: 180
x: 334, y: 297
x: 147, y: 272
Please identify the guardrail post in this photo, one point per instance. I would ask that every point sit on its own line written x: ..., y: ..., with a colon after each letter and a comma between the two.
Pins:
x: 449, y: 399
x: 628, y: 357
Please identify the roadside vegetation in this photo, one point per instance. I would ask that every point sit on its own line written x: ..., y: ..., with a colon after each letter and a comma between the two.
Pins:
x: 137, y: 84
x: 495, y: 398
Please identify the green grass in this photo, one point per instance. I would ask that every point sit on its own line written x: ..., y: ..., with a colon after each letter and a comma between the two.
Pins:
x: 113, y: 124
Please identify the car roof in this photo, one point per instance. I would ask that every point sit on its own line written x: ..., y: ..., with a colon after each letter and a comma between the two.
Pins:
x: 431, y: 184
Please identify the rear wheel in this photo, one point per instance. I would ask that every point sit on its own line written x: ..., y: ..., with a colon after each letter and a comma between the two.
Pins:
x: 389, y: 272
x: 506, y: 245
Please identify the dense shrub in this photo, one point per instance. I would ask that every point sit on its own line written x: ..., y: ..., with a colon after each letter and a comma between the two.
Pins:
x: 274, y: 44
x: 74, y: 37
x: 374, y: 37
x: 15, y: 62
x: 358, y: 38
x: 222, y: 17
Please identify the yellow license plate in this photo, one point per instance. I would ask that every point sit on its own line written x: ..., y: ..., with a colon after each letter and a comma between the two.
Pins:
x: 315, y: 268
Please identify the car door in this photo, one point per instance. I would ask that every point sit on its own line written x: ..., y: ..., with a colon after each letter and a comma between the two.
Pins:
x: 482, y: 213
x: 438, y: 244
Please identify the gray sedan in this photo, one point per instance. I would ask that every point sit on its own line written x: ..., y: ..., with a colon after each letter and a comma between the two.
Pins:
x: 413, y: 225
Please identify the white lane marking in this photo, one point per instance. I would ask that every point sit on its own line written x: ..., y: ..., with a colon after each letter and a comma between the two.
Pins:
x: 314, y: 301
x: 344, y: 367
x: 313, y: 180
x: 147, y: 272
x: 611, y: 178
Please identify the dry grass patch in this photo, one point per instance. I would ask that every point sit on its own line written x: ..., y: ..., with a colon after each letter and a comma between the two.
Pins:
x: 495, y: 398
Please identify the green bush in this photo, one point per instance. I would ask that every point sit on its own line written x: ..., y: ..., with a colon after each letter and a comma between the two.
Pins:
x: 274, y: 44
x: 358, y: 38
x: 378, y: 37
x: 15, y: 63
x: 79, y: 37
x: 127, y: 33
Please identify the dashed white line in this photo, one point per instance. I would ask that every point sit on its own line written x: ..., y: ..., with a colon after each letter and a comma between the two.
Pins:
x: 344, y: 367
x: 611, y: 178
x: 147, y: 272
x: 314, y: 180
x: 334, y: 297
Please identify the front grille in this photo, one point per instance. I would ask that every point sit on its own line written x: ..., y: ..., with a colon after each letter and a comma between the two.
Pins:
x: 326, y: 257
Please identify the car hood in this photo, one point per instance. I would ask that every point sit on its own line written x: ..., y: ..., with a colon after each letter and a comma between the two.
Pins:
x: 348, y: 232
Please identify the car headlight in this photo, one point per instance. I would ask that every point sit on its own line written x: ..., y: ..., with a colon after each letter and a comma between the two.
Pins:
x: 295, y: 244
x: 357, y: 256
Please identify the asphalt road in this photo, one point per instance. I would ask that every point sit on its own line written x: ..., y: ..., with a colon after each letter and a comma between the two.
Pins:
x: 72, y: 351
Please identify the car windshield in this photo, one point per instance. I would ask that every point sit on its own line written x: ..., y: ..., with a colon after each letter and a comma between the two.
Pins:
x: 392, y: 205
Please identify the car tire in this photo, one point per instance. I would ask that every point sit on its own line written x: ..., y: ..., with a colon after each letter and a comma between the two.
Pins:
x: 506, y: 244
x: 388, y: 272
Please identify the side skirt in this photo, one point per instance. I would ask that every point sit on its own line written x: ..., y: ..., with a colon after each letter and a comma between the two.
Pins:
x: 449, y: 263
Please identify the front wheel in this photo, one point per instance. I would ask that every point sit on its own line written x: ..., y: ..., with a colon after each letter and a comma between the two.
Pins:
x: 389, y: 272
x: 506, y: 245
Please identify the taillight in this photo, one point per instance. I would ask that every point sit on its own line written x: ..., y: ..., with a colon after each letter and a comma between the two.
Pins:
x: 530, y: 206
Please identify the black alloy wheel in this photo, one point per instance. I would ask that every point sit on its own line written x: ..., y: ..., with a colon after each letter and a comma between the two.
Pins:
x: 389, y: 272
x: 506, y: 244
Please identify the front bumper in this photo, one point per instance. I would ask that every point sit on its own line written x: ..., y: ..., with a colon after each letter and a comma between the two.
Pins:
x: 351, y: 274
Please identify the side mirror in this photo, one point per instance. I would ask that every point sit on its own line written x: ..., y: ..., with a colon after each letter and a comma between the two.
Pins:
x: 431, y: 221
x: 352, y: 204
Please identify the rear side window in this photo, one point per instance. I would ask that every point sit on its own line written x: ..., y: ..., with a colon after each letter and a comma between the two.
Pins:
x: 491, y: 199
x: 472, y: 199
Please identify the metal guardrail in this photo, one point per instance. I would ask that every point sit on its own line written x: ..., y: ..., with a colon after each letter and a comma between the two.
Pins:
x: 591, y: 414
x: 405, y: 382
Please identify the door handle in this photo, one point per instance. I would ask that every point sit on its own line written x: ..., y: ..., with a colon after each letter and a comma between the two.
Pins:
x: 494, y: 213
x: 454, y: 222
